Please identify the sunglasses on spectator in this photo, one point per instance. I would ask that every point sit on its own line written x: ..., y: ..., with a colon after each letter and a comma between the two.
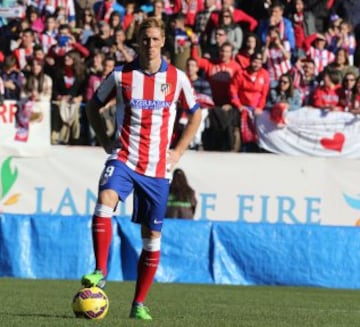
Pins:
x: 284, y: 82
x: 349, y: 79
x: 226, y: 16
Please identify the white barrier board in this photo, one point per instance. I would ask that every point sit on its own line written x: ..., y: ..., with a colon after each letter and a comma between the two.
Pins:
x: 229, y: 186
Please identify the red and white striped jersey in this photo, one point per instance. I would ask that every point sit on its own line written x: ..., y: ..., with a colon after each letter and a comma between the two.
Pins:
x: 321, y: 57
x: 277, y: 64
x: 47, y: 40
x: 146, y: 111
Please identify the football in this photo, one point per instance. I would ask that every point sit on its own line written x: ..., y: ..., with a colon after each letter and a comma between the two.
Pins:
x: 90, y: 303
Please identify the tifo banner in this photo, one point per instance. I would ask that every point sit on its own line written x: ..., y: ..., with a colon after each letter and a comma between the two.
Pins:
x: 24, y: 132
x: 313, y: 132
x: 256, y: 188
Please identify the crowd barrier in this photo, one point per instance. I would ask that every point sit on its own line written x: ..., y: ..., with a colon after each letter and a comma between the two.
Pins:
x: 58, y: 247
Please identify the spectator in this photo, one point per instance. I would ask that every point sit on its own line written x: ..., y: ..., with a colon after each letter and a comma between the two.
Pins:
x: 88, y: 25
x: 350, y: 11
x: 285, y: 92
x: 327, y: 95
x: 189, y: 8
x: 234, y: 33
x: 48, y: 37
x: 276, y: 55
x: 249, y: 90
x: 321, y: 11
x: 342, y: 64
x: 333, y: 31
x: 102, y: 68
x: 347, y: 91
x: 12, y: 78
x: 345, y: 39
x: 64, y: 10
x: 34, y: 19
x: 305, y: 79
x: 95, y: 65
x: 201, y: 20
x: 247, y: 22
x: 355, y: 106
x: 25, y: 50
x: 182, y: 42
x: 121, y: 52
x: 250, y: 45
x: 203, y: 95
x: 65, y: 43
x: 115, y: 21
x: 250, y: 87
x: 182, y: 199
x: 102, y: 41
x: 304, y: 25
x: 283, y: 98
x: 9, y: 36
x: 316, y: 45
x: 284, y: 26
x: 213, y: 51
x: 159, y: 12
x: 68, y: 88
x: 132, y: 29
x: 37, y: 88
x: 104, y: 8
x: 219, y: 72
x: 129, y: 14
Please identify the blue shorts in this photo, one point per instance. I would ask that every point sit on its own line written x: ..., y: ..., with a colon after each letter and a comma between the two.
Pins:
x: 150, y: 193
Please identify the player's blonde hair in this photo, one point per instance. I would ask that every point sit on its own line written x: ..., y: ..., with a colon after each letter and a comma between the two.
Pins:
x: 149, y: 23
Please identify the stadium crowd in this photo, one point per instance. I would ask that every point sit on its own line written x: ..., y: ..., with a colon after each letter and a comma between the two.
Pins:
x: 242, y: 57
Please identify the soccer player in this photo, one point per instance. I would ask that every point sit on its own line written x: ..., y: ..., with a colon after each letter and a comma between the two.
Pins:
x: 147, y: 91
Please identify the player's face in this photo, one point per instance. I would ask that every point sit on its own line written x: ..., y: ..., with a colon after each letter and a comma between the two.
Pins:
x: 151, y: 42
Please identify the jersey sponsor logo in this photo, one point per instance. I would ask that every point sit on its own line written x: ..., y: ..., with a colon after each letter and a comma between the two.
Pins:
x: 149, y: 104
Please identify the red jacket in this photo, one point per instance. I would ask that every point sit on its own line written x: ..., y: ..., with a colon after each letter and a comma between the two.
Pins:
x: 250, y: 88
x: 325, y: 97
x: 189, y: 8
x: 219, y: 75
x: 243, y: 58
x: 238, y: 15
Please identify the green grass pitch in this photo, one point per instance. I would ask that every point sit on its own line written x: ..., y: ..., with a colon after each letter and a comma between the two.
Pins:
x: 47, y: 303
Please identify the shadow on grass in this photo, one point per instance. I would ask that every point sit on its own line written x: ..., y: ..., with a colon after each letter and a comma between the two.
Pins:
x: 39, y: 315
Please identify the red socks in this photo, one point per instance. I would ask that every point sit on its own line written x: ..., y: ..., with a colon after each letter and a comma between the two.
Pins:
x: 102, y: 233
x: 147, y: 266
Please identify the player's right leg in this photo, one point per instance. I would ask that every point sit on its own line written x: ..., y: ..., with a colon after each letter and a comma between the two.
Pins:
x: 102, y: 235
x: 114, y: 185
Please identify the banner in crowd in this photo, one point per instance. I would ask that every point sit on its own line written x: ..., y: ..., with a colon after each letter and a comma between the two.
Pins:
x: 11, y: 9
x: 312, y: 132
x: 24, y: 132
x: 256, y: 188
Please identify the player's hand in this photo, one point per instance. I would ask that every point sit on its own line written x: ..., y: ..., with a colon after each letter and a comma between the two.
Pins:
x: 173, y: 157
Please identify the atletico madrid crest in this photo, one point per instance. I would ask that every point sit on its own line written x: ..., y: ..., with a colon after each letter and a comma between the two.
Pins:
x: 165, y: 88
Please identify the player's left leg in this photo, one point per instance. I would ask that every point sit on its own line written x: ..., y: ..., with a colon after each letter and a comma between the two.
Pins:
x: 147, y: 266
